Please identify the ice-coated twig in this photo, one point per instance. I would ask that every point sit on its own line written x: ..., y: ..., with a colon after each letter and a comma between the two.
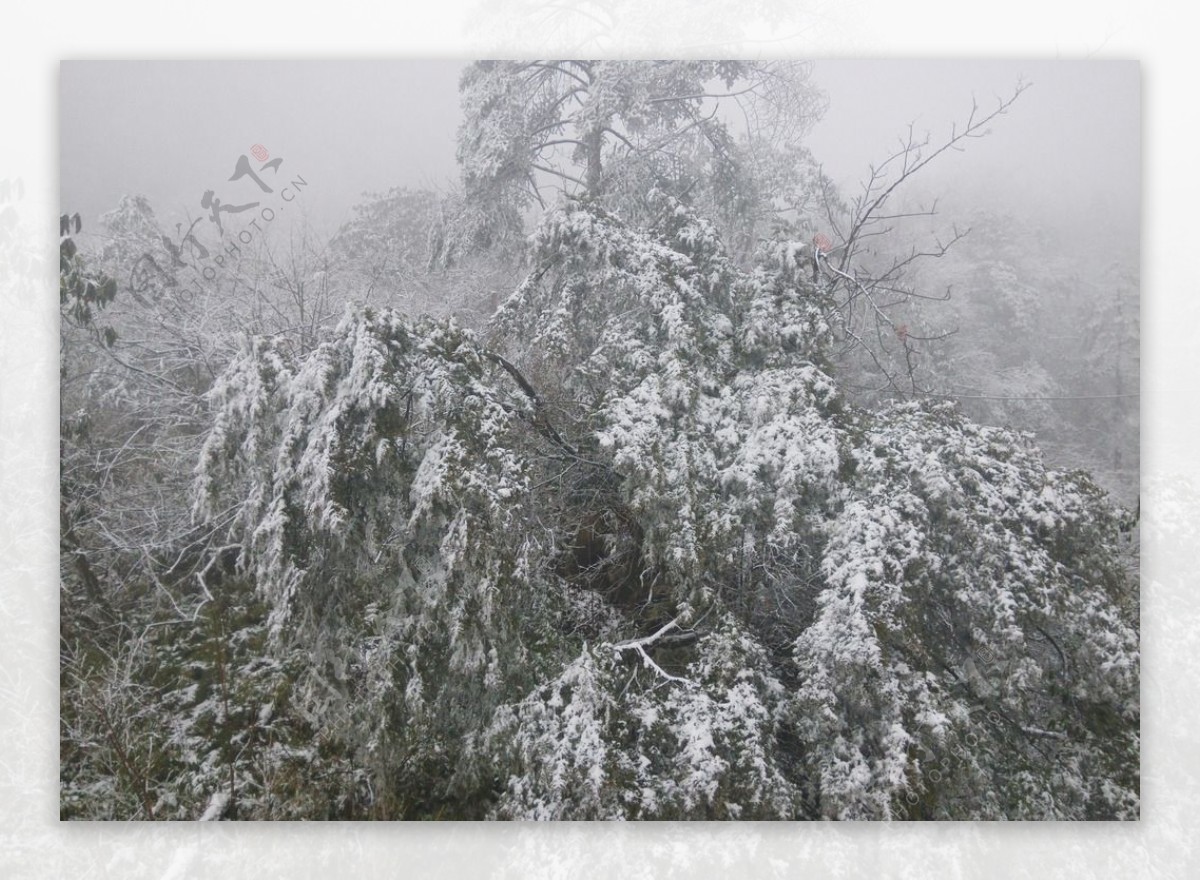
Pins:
x: 639, y: 645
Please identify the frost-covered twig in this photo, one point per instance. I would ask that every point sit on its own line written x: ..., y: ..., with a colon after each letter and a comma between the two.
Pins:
x: 639, y: 645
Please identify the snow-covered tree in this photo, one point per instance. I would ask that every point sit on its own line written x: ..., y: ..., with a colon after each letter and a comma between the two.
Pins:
x: 613, y: 130
x: 614, y: 546
x: 974, y: 612
x: 394, y: 252
x: 631, y: 555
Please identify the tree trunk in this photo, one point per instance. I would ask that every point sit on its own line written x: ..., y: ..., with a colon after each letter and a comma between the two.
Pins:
x: 594, y: 140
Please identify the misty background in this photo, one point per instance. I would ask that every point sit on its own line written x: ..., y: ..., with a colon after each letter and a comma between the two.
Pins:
x: 1068, y: 154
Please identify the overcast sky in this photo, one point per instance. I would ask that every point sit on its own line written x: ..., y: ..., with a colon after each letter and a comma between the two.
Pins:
x: 171, y: 130
x: 1069, y: 146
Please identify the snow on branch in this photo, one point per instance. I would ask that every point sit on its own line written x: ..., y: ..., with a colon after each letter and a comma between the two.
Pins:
x: 639, y: 646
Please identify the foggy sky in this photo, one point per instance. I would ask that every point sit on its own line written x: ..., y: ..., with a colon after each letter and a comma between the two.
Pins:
x: 171, y: 130
x: 1069, y: 148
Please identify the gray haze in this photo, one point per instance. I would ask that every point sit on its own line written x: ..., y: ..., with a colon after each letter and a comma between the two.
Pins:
x: 1067, y: 153
x: 171, y: 130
